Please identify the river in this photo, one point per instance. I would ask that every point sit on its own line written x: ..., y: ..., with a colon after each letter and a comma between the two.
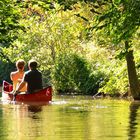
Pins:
x: 71, y: 118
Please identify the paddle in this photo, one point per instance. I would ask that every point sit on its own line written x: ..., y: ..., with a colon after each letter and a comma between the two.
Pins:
x: 14, y: 97
x: 15, y: 94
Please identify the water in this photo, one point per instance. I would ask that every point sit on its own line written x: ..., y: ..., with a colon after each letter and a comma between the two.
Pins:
x: 71, y: 118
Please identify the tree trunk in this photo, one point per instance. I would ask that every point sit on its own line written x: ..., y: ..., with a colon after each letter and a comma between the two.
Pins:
x: 132, y: 75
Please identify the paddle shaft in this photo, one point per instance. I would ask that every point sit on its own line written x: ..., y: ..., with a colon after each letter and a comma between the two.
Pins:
x: 14, y: 97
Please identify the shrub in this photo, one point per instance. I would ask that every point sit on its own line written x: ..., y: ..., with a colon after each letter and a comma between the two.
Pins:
x: 72, y: 73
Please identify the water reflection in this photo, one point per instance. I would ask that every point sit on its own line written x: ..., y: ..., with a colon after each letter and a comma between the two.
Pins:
x: 134, y: 108
x: 71, y: 118
x: 34, y: 108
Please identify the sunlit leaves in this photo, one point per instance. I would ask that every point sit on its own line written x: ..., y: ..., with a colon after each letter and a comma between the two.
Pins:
x: 51, y: 35
x: 73, y: 73
x: 9, y: 16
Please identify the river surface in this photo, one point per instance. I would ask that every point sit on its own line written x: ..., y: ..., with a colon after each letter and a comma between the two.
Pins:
x: 71, y: 118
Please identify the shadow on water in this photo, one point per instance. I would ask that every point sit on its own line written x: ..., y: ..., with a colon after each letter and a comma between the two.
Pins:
x: 34, y: 109
x: 134, y: 107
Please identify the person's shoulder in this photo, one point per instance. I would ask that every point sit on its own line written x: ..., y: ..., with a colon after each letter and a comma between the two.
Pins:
x: 27, y: 72
x: 14, y: 72
x: 39, y: 71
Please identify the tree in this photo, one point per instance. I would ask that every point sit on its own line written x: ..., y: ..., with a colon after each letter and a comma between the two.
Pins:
x: 9, y: 16
x: 120, y: 21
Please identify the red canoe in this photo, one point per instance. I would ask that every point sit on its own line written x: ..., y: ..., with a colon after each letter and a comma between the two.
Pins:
x: 44, y: 95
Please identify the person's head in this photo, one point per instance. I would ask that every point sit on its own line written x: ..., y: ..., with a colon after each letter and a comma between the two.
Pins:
x: 32, y: 64
x: 20, y: 64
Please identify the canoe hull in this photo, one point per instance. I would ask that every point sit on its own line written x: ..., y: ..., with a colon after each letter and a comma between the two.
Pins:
x: 44, y: 95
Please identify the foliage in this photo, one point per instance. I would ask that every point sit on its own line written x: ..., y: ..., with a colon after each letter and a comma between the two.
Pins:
x: 72, y: 56
x: 117, y: 81
x: 9, y: 16
x: 73, y: 73
x: 5, y: 67
x: 119, y: 18
x: 44, y: 39
x: 119, y: 21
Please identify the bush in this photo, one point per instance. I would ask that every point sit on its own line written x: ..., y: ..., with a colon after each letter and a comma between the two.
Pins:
x: 117, y: 80
x: 5, y: 70
x: 72, y: 73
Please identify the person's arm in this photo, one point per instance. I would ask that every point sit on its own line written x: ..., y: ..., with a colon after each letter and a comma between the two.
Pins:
x: 19, y: 80
x: 11, y: 76
x: 21, y: 85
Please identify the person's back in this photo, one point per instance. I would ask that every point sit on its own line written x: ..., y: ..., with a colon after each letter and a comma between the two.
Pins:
x: 17, y: 76
x: 34, y: 80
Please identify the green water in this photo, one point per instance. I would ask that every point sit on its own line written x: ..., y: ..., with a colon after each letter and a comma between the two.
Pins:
x: 71, y: 118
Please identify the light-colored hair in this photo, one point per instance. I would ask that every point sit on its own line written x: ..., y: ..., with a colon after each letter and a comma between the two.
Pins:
x: 20, y: 63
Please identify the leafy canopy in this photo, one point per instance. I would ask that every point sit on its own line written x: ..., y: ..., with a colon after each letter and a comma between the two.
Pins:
x: 118, y: 18
x: 9, y: 15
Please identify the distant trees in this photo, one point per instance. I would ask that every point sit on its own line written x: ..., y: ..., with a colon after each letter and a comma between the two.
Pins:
x: 9, y: 16
x: 9, y: 24
x: 46, y: 31
x: 119, y: 21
